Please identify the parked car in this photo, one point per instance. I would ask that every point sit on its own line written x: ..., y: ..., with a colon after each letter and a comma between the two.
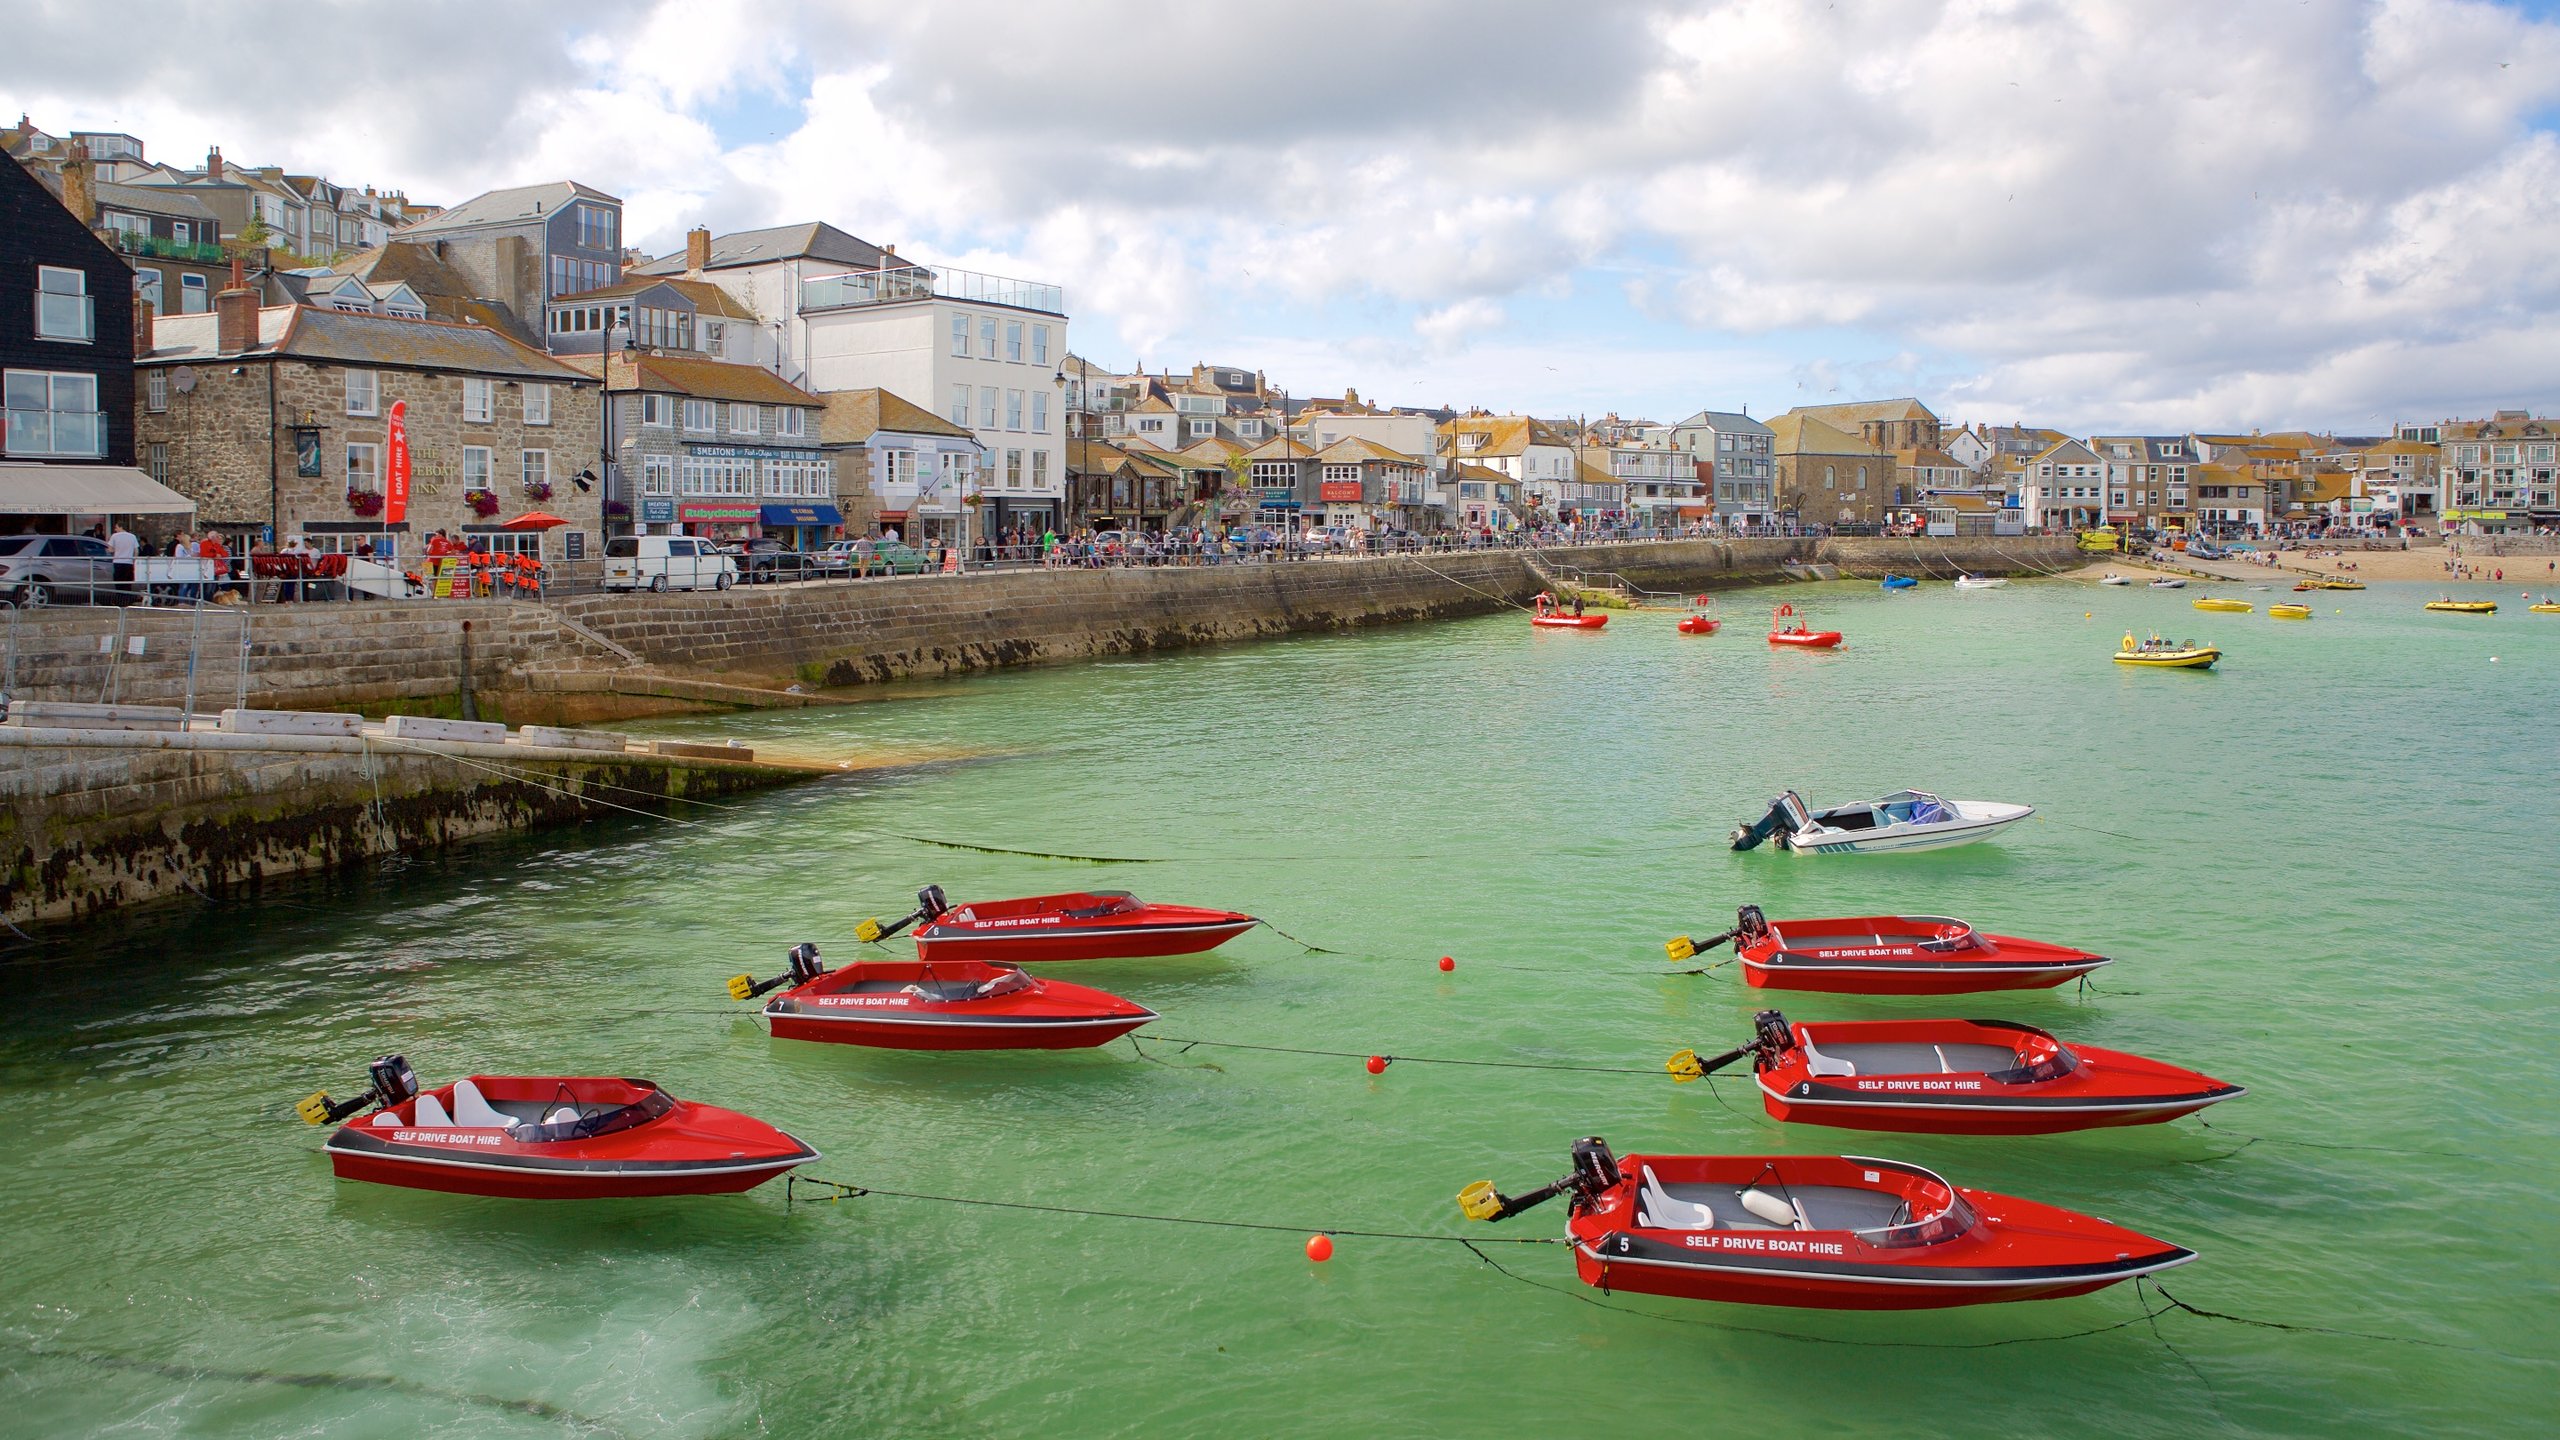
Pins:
x: 764, y: 561
x: 37, y: 570
x: 899, y: 558
x: 666, y: 562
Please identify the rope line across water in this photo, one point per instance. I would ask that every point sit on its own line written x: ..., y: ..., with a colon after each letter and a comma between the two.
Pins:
x: 844, y: 1190
x: 1188, y: 1043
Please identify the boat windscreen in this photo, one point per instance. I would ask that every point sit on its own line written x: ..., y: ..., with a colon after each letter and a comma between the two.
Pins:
x: 639, y: 1112
x: 1932, y: 1229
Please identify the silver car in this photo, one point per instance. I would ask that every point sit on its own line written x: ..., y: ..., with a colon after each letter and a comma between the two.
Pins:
x: 37, y: 570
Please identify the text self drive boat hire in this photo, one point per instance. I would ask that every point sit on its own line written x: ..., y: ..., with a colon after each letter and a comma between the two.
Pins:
x: 1888, y: 955
x: 1038, y: 929
x: 1829, y: 1232
x: 936, y: 1005
x: 1903, y: 820
x: 1952, y: 1077
x: 547, y: 1137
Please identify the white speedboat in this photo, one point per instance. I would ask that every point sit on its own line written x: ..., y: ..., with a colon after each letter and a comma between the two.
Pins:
x: 2114, y: 580
x: 1904, y: 820
x: 1979, y: 582
x: 2168, y: 582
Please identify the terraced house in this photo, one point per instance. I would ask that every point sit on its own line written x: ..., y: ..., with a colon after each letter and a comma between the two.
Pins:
x: 2501, y: 474
x: 275, y: 421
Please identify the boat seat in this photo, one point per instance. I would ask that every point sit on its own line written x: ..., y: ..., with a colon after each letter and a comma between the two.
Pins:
x: 472, y: 1110
x: 1821, y: 1065
x: 1668, y: 1212
x: 387, y: 1121
x: 565, y: 1115
x: 1945, y: 1067
x: 431, y: 1114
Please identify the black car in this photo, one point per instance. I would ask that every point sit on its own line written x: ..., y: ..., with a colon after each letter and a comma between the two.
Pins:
x: 764, y: 561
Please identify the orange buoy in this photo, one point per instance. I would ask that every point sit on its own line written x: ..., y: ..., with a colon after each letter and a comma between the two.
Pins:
x: 1448, y: 963
x: 1320, y: 1248
x: 1377, y: 1064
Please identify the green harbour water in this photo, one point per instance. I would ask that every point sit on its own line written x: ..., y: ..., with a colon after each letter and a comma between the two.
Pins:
x: 2327, y: 871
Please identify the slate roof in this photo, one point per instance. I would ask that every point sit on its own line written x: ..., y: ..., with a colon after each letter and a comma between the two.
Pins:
x: 811, y: 240
x: 1863, y: 412
x: 440, y: 287
x: 337, y: 337
x: 851, y: 417
x: 706, y: 379
x: 1354, y: 450
x: 508, y: 207
x: 1800, y: 434
x: 1724, y: 422
x: 151, y: 200
x: 707, y: 298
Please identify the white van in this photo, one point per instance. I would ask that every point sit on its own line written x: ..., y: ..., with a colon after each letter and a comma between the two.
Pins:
x: 666, y: 562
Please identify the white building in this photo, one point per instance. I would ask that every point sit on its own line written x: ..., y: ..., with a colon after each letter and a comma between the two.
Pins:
x: 984, y: 351
x: 1744, y: 453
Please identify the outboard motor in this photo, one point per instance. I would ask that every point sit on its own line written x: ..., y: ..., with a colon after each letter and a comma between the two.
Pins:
x: 393, y: 1080
x: 1749, y: 924
x: 1594, y: 1168
x: 805, y: 965
x: 930, y: 902
x: 1771, y: 1037
x: 1749, y: 836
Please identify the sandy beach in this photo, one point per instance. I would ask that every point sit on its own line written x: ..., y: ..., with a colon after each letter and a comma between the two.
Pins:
x: 2413, y: 564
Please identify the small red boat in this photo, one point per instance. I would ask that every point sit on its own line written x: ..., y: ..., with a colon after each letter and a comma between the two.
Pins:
x: 1698, y: 621
x: 1080, y: 925
x: 1553, y: 616
x: 937, y: 1005
x: 1890, y: 955
x: 1780, y: 633
x: 1828, y: 1232
x: 1954, y: 1077
x: 547, y: 1137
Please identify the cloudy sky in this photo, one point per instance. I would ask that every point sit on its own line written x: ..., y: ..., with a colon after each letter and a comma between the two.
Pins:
x: 2099, y: 214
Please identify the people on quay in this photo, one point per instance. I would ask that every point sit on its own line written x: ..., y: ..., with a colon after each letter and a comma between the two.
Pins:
x: 123, y: 546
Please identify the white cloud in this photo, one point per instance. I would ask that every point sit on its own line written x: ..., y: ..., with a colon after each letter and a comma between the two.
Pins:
x: 2081, y: 213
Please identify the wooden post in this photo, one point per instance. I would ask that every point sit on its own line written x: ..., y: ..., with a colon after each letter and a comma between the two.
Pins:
x: 470, y: 706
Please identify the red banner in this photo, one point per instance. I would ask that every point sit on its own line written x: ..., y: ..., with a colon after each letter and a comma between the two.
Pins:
x: 395, y: 467
x: 1339, y: 490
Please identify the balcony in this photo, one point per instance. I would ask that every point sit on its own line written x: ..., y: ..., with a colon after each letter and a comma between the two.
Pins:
x: 135, y: 243
x: 60, y: 434
x: 925, y: 282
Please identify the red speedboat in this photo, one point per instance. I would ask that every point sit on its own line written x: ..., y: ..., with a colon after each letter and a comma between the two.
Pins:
x: 1829, y: 1232
x: 1569, y: 622
x: 547, y: 1137
x: 1890, y: 955
x: 937, y: 1005
x: 1081, y: 925
x: 1954, y: 1077
x: 1700, y: 625
x: 1781, y: 633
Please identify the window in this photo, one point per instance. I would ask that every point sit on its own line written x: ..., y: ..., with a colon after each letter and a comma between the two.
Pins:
x: 1040, y: 412
x: 1151, y: 425
x: 1013, y: 409
x: 655, y: 410
x: 364, y: 467
x: 478, y: 404
x: 960, y: 393
x: 791, y: 421
x: 1198, y: 428
x: 156, y: 391
x: 701, y: 417
x: 182, y: 232
x: 192, y: 299
x: 1039, y: 469
x: 959, y: 334
x: 159, y: 462
x: 955, y: 468
x: 987, y: 337
x: 897, y: 467
x: 1039, y: 344
x: 596, y: 228
x: 987, y: 406
x: 1013, y: 469
x: 363, y: 393
x: 146, y: 288
x: 657, y: 474
x: 821, y: 475
x: 475, y: 467
x: 537, y: 404
x: 697, y: 475
x: 742, y: 419
x: 1013, y: 341
x: 715, y: 337
x: 537, y: 469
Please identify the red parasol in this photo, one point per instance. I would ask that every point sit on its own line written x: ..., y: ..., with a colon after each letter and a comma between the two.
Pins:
x: 533, y: 520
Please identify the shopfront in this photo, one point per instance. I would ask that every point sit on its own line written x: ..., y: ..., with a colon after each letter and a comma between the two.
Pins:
x: 802, y: 527
x: 727, y: 521
x: 1004, y: 516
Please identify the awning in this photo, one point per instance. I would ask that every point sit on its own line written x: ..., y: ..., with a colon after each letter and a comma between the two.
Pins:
x: 86, y: 490
x: 802, y: 515
x: 1696, y: 512
x: 739, y: 513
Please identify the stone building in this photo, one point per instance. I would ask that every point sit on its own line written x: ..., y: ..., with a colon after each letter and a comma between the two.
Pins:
x: 708, y: 448
x: 274, y: 420
x: 903, y: 468
x: 1886, y: 424
x: 1827, y: 476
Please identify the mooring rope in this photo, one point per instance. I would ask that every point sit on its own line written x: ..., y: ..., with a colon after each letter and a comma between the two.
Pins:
x: 1187, y: 1043
x: 846, y: 1190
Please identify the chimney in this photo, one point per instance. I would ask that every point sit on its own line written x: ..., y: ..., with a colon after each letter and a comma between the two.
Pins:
x: 77, y: 196
x: 143, y: 315
x: 235, y: 313
x: 697, y: 251
x: 213, y: 163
